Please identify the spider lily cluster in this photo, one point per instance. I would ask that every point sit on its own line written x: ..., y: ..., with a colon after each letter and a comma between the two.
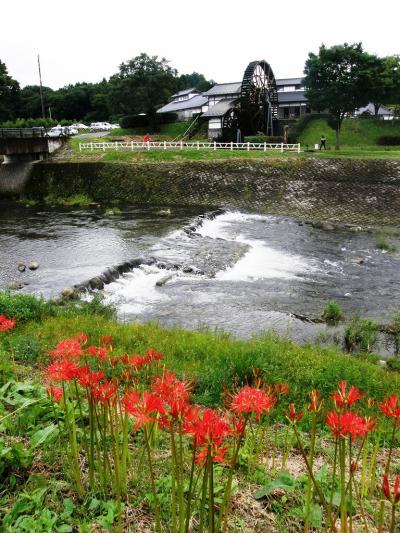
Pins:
x: 118, y: 405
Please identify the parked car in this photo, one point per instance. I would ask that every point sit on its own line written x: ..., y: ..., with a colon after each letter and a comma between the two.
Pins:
x: 101, y: 126
x: 72, y: 130
x: 58, y: 131
x: 115, y: 126
x: 79, y: 126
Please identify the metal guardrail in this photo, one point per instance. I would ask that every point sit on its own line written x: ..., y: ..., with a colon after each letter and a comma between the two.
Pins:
x: 21, y: 133
x: 180, y: 145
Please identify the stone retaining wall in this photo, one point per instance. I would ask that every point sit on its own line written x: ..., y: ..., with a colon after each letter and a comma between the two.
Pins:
x: 353, y: 190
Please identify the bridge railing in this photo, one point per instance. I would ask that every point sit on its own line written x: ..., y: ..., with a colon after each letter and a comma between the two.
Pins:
x: 180, y: 145
x: 21, y: 133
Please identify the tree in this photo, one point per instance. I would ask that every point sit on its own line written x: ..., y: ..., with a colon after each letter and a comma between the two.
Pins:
x: 9, y: 95
x: 30, y: 105
x: 142, y: 85
x: 336, y: 80
x: 384, y: 81
x: 194, y: 80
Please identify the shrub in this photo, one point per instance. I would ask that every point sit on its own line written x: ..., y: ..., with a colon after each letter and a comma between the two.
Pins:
x: 167, y: 118
x: 134, y: 121
x: 332, y: 312
x: 393, y: 364
x: 263, y: 139
x: 21, y: 307
x: 383, y: 244
x: 361, y: 335
x: 389, y: 140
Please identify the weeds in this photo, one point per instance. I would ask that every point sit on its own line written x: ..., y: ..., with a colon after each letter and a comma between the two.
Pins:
x: 361, y: 335
x: 332, y: 313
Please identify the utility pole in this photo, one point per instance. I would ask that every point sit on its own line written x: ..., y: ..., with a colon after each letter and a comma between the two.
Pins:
x: 41, y: 89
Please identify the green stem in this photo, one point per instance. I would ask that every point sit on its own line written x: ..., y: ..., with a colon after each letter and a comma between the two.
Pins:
x: 343, y: 506
x: 203, y: 499
x: 393, y: 519
x: 190, y: 494
x: 211, y: 521
x: 174, y: 481
x: 74, y: 445
x: 387, y: 469
x: 309, y: 481
x: 152, y: 479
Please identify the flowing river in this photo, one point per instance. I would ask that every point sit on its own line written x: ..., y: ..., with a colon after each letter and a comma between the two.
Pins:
x: 252, y: 273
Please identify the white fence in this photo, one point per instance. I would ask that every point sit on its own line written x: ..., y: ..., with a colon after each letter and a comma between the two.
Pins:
x: 180, y: 145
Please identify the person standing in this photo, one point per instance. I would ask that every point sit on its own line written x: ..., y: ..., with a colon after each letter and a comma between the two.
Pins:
x: 322, y: 143
x: 147, y: 138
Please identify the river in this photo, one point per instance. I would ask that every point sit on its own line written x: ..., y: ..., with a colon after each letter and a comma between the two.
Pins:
x: 257, y: 271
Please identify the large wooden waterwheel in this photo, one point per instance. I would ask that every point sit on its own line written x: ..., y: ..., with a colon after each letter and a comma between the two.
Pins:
x: 258, y: 99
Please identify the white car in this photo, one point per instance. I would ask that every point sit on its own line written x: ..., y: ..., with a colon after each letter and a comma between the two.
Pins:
x: 101, y: 126
x: 58, y: 131
x: 72, y: 130
x: 79, y: 126
x: 115, y: 126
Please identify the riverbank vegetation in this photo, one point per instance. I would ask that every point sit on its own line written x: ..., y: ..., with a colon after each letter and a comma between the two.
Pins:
x: 130, y: 427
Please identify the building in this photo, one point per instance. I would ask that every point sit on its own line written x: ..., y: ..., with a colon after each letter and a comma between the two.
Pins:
x: 215, y: 104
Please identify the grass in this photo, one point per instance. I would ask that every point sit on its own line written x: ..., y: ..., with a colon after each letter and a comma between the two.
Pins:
x: 75, y: 200
x: 332, y: 312
x: 35, y: 475
x: 166, y: 131
x: 356, y: 134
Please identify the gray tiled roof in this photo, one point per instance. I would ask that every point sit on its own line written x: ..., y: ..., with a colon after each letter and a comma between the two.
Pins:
x: 289, y: 81
x: 224, y: 88
x: 195, y: 102
x: 219, y: 109
x: 291, y: 96
x: 185, y: 91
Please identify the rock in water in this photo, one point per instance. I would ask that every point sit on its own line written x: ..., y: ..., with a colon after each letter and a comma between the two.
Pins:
x: 34, y: 265
x: 68, y: 293
x: 21, y: 267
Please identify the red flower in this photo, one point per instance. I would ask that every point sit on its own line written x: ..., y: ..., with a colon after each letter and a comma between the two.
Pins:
x: 217, y: 455
x: 249, y: 400
x: 170, y: 389
x: 55, y: 393
x: 87, y: 378
x: 391, y: 408
x: 343, y: 398
x: 82, y: 338
x: 97, y: 351
x: 136, y: 361
x: 348, y: 423
x: 6, y: 323
x: 105, y: 392
x: 144, y: 408
x: 396, y: 489
x: 281, y: 388
x: 64, y: 370
x: 291, y: 414
x: 67, y: 348
x: 316, y: 403
x: 153, y: 355
x: 106, y: 339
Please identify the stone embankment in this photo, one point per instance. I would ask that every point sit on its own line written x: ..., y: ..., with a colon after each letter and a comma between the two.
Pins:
x: 352, y: 190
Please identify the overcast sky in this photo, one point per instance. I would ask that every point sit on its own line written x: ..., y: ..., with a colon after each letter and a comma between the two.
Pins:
x: 86, y: 40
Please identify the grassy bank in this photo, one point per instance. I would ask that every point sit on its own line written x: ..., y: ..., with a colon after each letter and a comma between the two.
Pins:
x: 38, y: 473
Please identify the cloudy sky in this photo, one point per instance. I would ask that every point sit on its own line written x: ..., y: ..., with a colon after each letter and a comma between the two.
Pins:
x: 86, y: 40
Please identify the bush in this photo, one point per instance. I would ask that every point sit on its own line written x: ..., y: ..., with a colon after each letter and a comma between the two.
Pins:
x: 361, y: 335
x: 389, y: 140
x: 134, y: 121
x: 167, y: 118
x: 263, y: 139
x: 21, y: 307
x: 393, y: 364
x: 332, y: 312
x: 383, y: 244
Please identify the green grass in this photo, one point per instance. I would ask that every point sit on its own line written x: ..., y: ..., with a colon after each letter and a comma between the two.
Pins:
x: 217, y: 360
x: 356, y: 134
x: 165, y: 132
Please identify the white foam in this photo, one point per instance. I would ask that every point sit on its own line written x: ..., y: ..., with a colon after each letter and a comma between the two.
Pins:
x: 136, y: 291
x: 218, y: 226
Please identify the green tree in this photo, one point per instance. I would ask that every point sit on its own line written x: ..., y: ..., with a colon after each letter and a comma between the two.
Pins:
x: 29, y: 102
x: 9, y: 95
x: 384, y: 81
x: 194, y: 80
x: 142, y: 85
x: 337, y: 80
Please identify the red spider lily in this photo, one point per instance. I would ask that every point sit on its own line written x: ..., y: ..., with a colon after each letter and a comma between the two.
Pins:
x: 391, y: 408
x: 348, y: 423
x: 144, y: 408
x: 87, y: 378
x: 67, y: 348
x: 316, y: 403
x: 82, y: 338
x: 63, y: 370
x: 55, y: 393
x: 281, y: 388
x: 152, y: 355
x: 343, y: 398
x: 291, y: 414
x: 249, y: 400
x: 370, y: 402
x: 209, y: 428
x: 97, y: 351
x: 170, y: 389
x: 353, y: 466
x: 396, y: 489
x: 105, y: 392
x: 6, y: 323
x: 136, y: 361
x: 218, y: 454
x: 106, y: 339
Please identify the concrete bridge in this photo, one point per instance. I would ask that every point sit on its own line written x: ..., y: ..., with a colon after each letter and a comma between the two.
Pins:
x: 26, y: 144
